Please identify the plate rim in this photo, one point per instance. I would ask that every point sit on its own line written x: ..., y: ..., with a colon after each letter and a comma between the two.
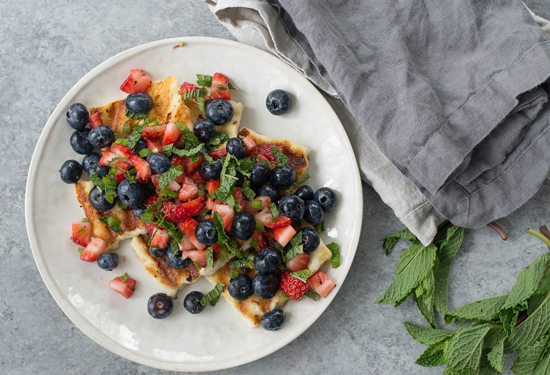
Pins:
x: 85, y: 326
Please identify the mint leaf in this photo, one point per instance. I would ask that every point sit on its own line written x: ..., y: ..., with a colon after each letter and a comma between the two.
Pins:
x: 447, y: 252
x: 465, y: 347
x: 209, y: 258
x: 282, y: 159
x: 527, y: 359
x: 410, y: 276
x: 543, y: 366
x: 320, y: 228
x: 496, y: 356
x: 484, y: 310
x: 301, y: 275
x: 335, y: 250
x: 97, y: 181
x: 294, y: 247
x: 223, y: 238
x: 389, y: 242
x: 135, y: 116
x: 187, y: 153
x: 407, y: 256
x: 169, y: 176
x: 190, y: 140
x: 204, y: 80
x: 135, y: 136
x: 217, y: 139
x: 213, y: 296
x: 509, y: 317
x: 426, y: 336
x: 301, y: 181
x: 232, y: 86
x: 247, y: 191
x: 424, y: 297
x: 311, y: 294
x: 485, y: 367
x: 274, y: 212
x: 195, y: 93
x: 167, y: 150
x: 201, y: 103
x: 434, y: 355
x: 112, y: 222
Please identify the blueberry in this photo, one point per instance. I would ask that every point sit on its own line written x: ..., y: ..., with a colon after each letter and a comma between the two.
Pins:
x: 259, y: 174
x: 273, y: 320
x: 175, y: 261
x: 235, y: 146
x: 70, y: 172
x: 268, y: 259
x: 141, y: 144
x: 240, y: 288
x: 327, y: 198
x: 98, y: 201
x: 160, y: 306
x: 305, y: 192
x: 159, y: 163
x: 269, y: 191
x: 313, y: 212
x: 130, y: 194
x: 211, y: 171
x: 243, y: 225
x: 265, y: 285
x: 204, y: 129
x: 90, y: 163
x: 107, y: 261
x: 293, y: 207
x: 310, y: 239
x: 102, y: 136
x: 219, y: 111
x: 77, y: 116
x: 278, y: 102
x: 282, y: 177
x: 156, y: 252
x: 203, y: 150
x: 139, y: 210
x: 139, y: 102
x: 80, y: 143
x: 192, y: 302
x: 240, y: 179
x: 206, y: 233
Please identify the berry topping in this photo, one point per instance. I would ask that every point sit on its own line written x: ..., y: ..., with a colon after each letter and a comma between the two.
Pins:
x: 240, y: 287
x: 292, y: 286
x: 278, y: 102
x: 192, y: 302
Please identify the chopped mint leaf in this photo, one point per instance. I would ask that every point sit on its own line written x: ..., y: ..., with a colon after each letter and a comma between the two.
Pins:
x: 246, y: 261
x: 257, y: 203
x: 121, y: 141
x: 274, y: 212
x: 135, y: 116
x: 110, y: 188
x: 122, y: 205
x: 282, y: 159
x: 223, y: 238
x: 169, y: 176
x: 187, y: 153
x: 147, y: 217
x: 112, y: 222
x: 209, y: 258
x: 204, y: 80
x: 85, y: 220
x: 174, y: 248
x: 130, y: 174
x: 169, y: 193
x: 213, y: 296
x: 217, y: 139
x: 269, y: 164
x: 233, y: 274
x: 222, y: 87
x: 195, y: 93
x: 80, y: 250
x: 232, y: 86
x: 167, y: 150
x: 311, y: 294
x: 253, y: 243
x: 294, y: 247
x: 259, y: 227
x: 301, y: 275
x: 97, y: 181
x: 247, y: 191
x: 320, y: 228
x: 127, y: 128
x: 246, y: 164
x: 335, y: 250
x: 201, y: 103
x: 301, y: 181
x: 124, y: 277
x: 198, y: 265
x: 190, y: 140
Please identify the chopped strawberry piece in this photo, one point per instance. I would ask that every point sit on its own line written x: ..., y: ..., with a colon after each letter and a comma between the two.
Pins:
x: 151, y: 200
x: 258, y: 237
x: 95, y: 120
x: 216, y: 248
x: 119, y: 177
x: 226, y: 213
x: 160, y: 239
x: 266, y: 202
x: 217, y: 91
x: 186, y: 86
x: 110, y: 158
x: 142, y: 181
x: 186, y: 244
x: 298, y: 263
x: 172, y: 134
x: 249, y: 144
x: 264, y: 216
x: 142, y: 167
x: 153, y: 131
x: 265, y: 152
x: 238, y: 196
x: 293, y: 287
x: 155, y: 181
x: 191, y: 167
x: 137, y: 81
x: 188, y: 190
x: 126, y: 288
x: 197, y: 178
x: 283, y: 235
x: 178, y: 161
x: 82, y: 233
x: 321, y: 284
x: 210, y: 203
x: 212, y: 186
x: 198, y: 256
x: 281, y: 222
x: 185, y: 210
x: 218, y: 154
x: 154, y: 144
x: 188, y: 227
x: 93, y: 250
x: 173, y: 186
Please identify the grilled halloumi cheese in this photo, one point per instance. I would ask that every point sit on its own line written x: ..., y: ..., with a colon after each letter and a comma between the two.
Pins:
x: 130, y: 225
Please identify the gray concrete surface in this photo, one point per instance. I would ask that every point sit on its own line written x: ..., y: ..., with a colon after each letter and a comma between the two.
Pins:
x: 45, y: 48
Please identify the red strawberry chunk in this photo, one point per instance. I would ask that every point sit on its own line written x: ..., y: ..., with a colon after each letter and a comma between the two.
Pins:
x: 120, y: 163
x: 172, y: 134
x: 142, y: 167
x: 153, y: 131
x: 293, y: 287
x: 191, y: 167
x: 212, y: 186
x: 126, y: 288
x: 137, y: 81
x: 93, y: 250
x: 298, y: 263
x: 151, y: 200
x: 188, y: 227
x: 281, y: 222
x: 155, y: 181
x: 264, y: 216
x: 216, y: 248
x: 186, y: 86
x: 198, y: 256
x: 265, y: 152
x: 95, y: 120
x: 188, y: 190
x: 186, y: 244
x: 217, y: 92
x: 82, y: 233
x: 260, y: 239
x: 249, y: 144
x: 321, y: 284
x: 160, y: 239
x: 266, y: 202
x: 218, y: 154
x: 185, y: 210
x: 238, y: 196
x: 283, y: 235
x: 119, y: 177
x: 154, y: 144
x: 226, y: 213
x: 197, y: 178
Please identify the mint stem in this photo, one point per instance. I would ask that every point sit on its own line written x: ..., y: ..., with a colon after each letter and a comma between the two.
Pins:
x: 540, y: 236
x: 499, y: 230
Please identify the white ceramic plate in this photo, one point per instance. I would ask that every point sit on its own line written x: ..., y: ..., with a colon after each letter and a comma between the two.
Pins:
x: 217, y: 338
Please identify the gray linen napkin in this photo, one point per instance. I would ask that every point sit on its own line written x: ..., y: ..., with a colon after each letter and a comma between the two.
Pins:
x: 257, y: 23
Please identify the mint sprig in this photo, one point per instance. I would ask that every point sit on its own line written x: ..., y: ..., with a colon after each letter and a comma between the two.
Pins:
x: 213, y: 296
x: 134, y: 115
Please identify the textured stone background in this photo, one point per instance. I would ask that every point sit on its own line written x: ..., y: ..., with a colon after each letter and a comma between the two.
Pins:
x: 45, y: 48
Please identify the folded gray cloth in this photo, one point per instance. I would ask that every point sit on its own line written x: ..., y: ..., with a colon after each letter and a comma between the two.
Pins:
x: 253, y: 21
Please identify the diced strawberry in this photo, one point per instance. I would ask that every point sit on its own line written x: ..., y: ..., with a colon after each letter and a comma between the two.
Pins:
x: 178, y: 161
x: 142, y: 181
x: 126, y: 288
x: 93, y: 250
x: 258, y: 237
x: 173, y: 186
x: 216, y: 248
x: 265, y: 152
x: 82, y: 233
x: 188, y: 190
x: 210, y: 203
x: 226, y: 213
x: 321, y: 284
x: 161, y: 238
x: 212, y: 186
x: 217, y: 92
x: 266, y: 202
x: 188, y: 87
x: 186, y: 244
x: 153, y: 131
x: 283, y: 235
x: 198, y: 256
x: 95, y: 120
x: 281, y: 222
x: 219, y: 153
x: 120, y: 163
x: 238, y: 196
x: 264, y: 216
x: 154, y: 144
x: 137, y: 81
x: 188, y: 227
x: 151, y: 200
x: 293, y: 287
x: 185, y: 210
x: 142, y: 167
x: 172, y: 134
x: 249, y: 144
x: 298, y: 263
x: 191, y: 167
x: 197, y: 178
x: 119, y: 177
x: 155, y: 181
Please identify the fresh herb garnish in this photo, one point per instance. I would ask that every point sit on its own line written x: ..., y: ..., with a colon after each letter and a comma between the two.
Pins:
x: 232, y: 86
x: 112, y: 222
x: 190, y: 140
x: 124, y: 277
x: 257, y: 203
x: 145, y: 152
x: 335, y: 250
x: 204, y: 80
x: 274, y: 212
x: 301, y: 181
x: 201, y: 103
x: 209, y: 257
x: 294, y: 247
x: 320, y: 228
x: 187, y: 153
x: 85, y: 220
x: 259, y: 227
x: 217, y: 139
x: 301, y: 275
x: 80, y: 250
x: 246, y: 261
x: 247, y: 191
x: 213, y: 296
x: 127, y: 128
x: 311, y: 294
x: 135, y: 116
x: 223, y: 238
x: 195, y: 93
x: 233, y: 274
x: 222, y: 87
x: 282, y: 159
x: 169, y: 176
